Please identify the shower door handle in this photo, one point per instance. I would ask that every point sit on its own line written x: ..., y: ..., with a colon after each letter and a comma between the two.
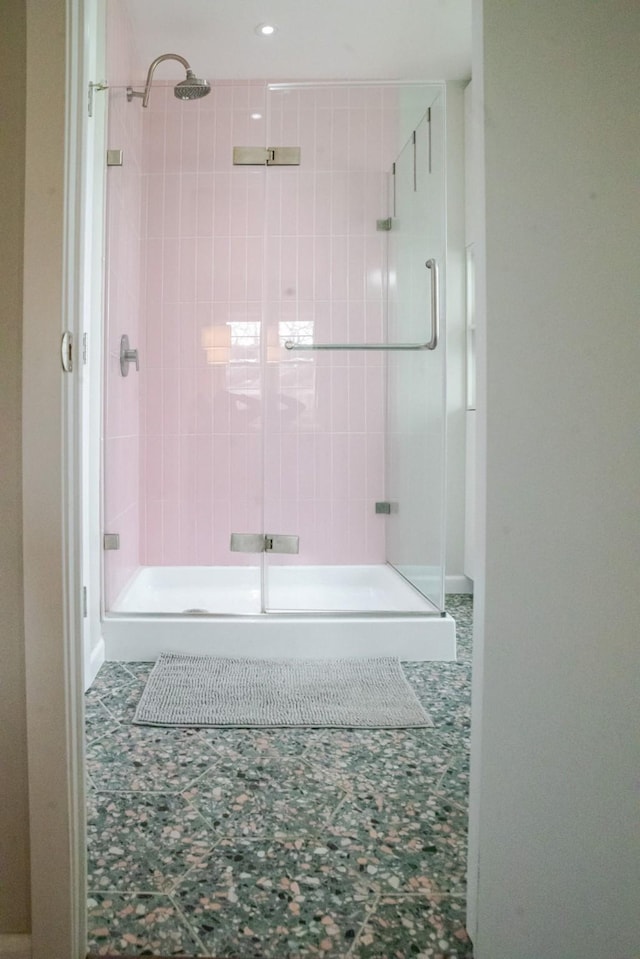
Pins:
x: 431, y: 265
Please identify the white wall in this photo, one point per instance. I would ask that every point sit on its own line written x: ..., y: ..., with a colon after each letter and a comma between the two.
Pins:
x: 555, y: 857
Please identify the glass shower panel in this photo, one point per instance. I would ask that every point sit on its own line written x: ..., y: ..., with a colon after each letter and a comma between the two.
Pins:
x: 183, y: 448
x: 415, y: 452
x: 326, y: 296
x: 325, y: 277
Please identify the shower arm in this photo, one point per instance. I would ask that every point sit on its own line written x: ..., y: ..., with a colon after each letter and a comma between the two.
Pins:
x: 144, y: 95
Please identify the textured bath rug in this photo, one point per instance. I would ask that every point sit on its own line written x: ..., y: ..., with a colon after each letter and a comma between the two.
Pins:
x: 216, y: 691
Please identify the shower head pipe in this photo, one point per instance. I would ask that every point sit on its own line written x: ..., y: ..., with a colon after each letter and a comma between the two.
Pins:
x: 192, y: 86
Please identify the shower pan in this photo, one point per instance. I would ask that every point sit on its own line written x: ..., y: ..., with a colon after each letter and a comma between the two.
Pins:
x: 274, y: 469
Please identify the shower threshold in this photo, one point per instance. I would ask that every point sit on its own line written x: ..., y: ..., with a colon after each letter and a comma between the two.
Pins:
x: 312, y: 611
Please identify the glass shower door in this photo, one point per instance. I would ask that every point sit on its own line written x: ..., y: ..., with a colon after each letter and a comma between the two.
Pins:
x: 416, y: 410
x: 354, y: 382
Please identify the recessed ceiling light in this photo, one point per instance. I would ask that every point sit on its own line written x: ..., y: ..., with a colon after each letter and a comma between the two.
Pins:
x: 256, y: 116
x: 265, y: 29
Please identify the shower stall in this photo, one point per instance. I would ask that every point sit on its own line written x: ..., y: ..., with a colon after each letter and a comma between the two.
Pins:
x: 274, y: 384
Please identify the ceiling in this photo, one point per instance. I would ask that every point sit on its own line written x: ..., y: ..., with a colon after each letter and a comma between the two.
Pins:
x: 315, y: 39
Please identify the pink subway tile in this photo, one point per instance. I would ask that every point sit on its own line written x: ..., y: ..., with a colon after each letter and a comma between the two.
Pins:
x: 170, y: 270
x: 222, y: 205
x: 322, y: 203
x: 203, y: 261
x: 154, y: 204
x: 221, y: 269
x: 356, y: 483
x: 189, y: 190
x: 171, y: 205
x: 204, y: 199
x: 187, y: 265
x: 254, y: 268
x: 238, y: 268
x: 238, y: 204
x: 203, y: 402
x: 189, y: 139
x: 171, y: 390
x: 206, y: 141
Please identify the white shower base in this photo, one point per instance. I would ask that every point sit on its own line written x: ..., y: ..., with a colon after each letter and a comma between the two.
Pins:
x: 312, y: 611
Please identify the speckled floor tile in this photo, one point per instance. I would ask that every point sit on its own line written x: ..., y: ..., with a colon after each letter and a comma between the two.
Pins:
x: 98, y: 720
x: 122, y: 702
x: 139, y: 924
x: 147, y: 759
x: 260, y: 898
x: 454, y: 785
x: 255, y: 744
x: 420, y: 845
x: 271, y: 797
x: 365, y: 759
x: 413, y: 927
x: 143, y: 842
x: 111, y: 676
x: 276, y: 843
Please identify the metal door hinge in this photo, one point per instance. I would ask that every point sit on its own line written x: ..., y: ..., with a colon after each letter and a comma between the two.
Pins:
x: 111, y: 541
x: 94, y: 88
x: 266, y: 156
x: 84, y: 602
x: 384, y: 224
x: 85, y: 349
x: 386, y: 508
x: 259, y: 543
x: 66, y: 351
x: 115, y: 157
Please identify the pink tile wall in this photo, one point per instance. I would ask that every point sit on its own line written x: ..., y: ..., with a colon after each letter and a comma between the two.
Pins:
x: 221, y: 293
x: 122, y: 294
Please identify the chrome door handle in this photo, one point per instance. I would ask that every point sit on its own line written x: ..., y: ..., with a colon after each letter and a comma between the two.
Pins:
x: 127, y: 355
x: 431, y: 345
x: 435, y: 305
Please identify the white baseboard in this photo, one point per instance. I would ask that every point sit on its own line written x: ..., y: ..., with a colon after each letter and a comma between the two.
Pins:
x: 458, y: 584
x: 96, y: 659
x: 15, y: 947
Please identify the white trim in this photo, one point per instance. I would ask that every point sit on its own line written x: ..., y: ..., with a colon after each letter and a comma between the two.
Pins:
x: 458, y: 584
x: 15, y: 947
x: 93, y: 663
x: 51, y: 473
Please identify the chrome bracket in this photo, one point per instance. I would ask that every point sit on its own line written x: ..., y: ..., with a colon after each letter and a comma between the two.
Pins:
x: 261, y: 543
x: 127, y: 356
x: 266, y: 156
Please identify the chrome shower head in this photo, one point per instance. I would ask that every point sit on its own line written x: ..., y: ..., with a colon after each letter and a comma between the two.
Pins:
x: 191, y: 88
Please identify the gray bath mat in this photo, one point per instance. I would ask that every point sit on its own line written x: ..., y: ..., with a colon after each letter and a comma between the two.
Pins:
x: 215, y: 691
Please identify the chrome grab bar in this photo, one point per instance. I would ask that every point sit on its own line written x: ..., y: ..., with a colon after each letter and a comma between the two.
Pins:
x: 431, y: 345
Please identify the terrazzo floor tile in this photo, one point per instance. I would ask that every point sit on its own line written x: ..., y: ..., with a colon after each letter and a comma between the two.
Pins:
x: 143, y: 841
x: 267, y: 899
x: 454, y: 785
x: 255, y: 744
x: 139, y: 924
x: 253, y: 844
x: 413, y: 927
x: 365, y: 756
x: 418, y: 846
x: 122, y: 702
x: 147, y: 759
x: 98, y: 720
x: 272, y: 797
x: 111, y: 676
